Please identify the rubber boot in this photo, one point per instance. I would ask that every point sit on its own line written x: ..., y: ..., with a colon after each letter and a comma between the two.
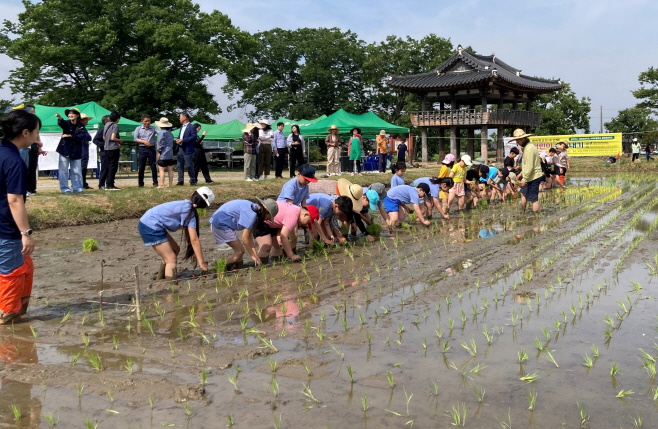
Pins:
x: 265, y: 260
x: 235, y: 266
x: 174, y: 277
x: 161, y: 271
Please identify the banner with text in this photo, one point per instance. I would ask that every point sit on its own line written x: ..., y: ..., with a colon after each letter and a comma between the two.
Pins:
x: 583, y: 144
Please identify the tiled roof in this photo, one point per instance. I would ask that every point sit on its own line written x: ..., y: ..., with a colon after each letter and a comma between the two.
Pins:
x: 465, y: 69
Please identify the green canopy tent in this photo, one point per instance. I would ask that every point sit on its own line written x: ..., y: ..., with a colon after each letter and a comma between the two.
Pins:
x: 96, y: 111
x: 228, y: 131
x: 303, y: 124
x: 369, y: 123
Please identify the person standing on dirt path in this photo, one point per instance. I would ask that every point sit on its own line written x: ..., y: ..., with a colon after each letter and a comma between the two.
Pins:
x: 145, y: 136
x: 635, y: 148
x: 382, y: 150
x: 280, y: 148
x: 242, y: 215
x: 186, y: 139
x: 531, y: 170
x: 265, y: 136
x: 157, y: 223
x: 333, y: 151
x: 200, y: 161
x: 20, y: 129
x: 70, y: 151
x: 295, y: 191
x: 165, y: 151
x: 112, y: 149
x: 99, y: 141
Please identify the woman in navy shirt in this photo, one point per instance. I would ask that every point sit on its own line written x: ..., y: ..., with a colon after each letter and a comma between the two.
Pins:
x: 70, y: 150
x: 20, y: 129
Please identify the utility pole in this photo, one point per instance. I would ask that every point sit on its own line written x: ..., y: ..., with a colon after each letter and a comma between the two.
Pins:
x: 601, y: 120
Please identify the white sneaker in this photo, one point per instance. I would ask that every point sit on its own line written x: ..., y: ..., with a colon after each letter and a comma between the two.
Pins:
x: 266, y: 177
x: 249, y: 180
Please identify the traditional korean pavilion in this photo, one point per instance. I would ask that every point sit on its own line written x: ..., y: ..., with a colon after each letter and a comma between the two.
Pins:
x: 469, y: 91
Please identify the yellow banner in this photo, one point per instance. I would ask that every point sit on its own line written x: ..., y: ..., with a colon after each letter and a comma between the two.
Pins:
x: 583, y: 144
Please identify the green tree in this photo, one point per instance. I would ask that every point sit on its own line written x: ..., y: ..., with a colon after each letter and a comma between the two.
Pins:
x: 301, y: 73
x: 396, y: 57
x: 648, y: 95
x: 134, y: 56
x: 632, y: 120
x: 562, y: 112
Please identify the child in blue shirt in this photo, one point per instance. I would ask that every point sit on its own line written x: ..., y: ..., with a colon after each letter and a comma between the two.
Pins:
x: 398, y: 174
x: 489, y: 177
x: 327, y: 207
x: 241, y: 215
x: 397, y: 197
x: 295, y: 190
x: 156, y: 224
x: 436, y: 185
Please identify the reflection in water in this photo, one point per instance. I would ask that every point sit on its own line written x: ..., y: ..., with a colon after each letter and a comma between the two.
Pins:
x: 18, y: 351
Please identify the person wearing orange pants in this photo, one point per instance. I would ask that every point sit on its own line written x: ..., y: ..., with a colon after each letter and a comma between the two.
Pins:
x: 19, y: 129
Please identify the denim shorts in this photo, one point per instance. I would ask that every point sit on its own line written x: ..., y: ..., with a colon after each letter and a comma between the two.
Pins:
x: 10, y: 255
x: 151, y: 236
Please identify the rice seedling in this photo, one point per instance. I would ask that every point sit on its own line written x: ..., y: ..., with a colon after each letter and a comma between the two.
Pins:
x: 274, y: 387
x: 459, y: 419
x: 614, y: 369
x: 129, y: 365
x: 532, y: 399
x: 74, y: 359
x: 94, y: 360
x: 66, y: 317
x: 446, y: 347
x: 309, y: 394
x: 472, y: 350
x: 607, y: 334
x: 400, y: 328
x: 91, y: 425
x: 79, y: 387
x: 230, y: 420
x: 463, y: 315
x: 148, y: 325
x: 438, y: 331
x: 583, y: 415
x: 201, y: 357
x: 109, y: 395
x: 523, y: 356
x: 277, y: 421
x: 233, y: 379
x: 479, y: 392
x: 50, y: 419
x: 89, y: 245
x: 595, y: 351
x: 538, y: 344
x: 389, y: 377
x: 16, y: 410
x: 530, y: 378
x: 551, y: 358
x: 487, y: 335
x: 306, y: 368
x: 507, y: 425
x: 623, y: 393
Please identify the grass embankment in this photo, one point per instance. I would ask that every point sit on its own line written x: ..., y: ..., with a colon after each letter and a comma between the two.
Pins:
x: 599, y: 165
x: 50, y: 210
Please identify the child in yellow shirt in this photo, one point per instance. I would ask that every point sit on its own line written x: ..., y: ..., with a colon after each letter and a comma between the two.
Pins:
x: 458, y: 173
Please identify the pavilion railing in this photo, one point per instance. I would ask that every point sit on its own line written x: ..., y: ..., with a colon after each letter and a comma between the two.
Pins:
x: 461, y: 117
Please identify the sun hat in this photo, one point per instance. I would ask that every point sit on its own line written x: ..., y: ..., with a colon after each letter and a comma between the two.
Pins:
x: 333, y: 127
x: 382, y: 133
x: 467, y: 160
x: 352, y: 191
x: 519, y: 134
x: 207, y: 194
x: 373, y: 199
x: 358, y: 130
x: 264, y: 121
x: 270, y: 205
x: 163, y: 123
x: 448, y: 159
x: 315, y: 215
x: 512, y: 176
x: 84, y: 117
x: 72, y: 109
x: 425, y: 187
x: 308, y: 172
x: 634, y: 140
x: 380, y: 189
x: 249, y: 127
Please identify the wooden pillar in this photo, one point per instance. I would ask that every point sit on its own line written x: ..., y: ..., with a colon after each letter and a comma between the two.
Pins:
x: 442, y: 134
x: 500, y: 146
x: 484, y: 136
x: 453, y: 129
x: 423, y: 132
x: 471, y: 142
x: 528, y: 107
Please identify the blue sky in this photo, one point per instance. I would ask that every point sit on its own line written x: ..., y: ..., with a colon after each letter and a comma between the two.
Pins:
x: 599, y: 47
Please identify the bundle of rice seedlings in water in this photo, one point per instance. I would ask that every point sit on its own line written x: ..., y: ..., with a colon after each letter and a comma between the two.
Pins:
x: 375, y: 229
x: 89, y: 245
x: 220, y: 266
x: 316, y: 247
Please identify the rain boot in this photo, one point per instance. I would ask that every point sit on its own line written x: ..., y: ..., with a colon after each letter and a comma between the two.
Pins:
x: 25, y: 302
x: 174, y: 277
x: 235, y: 266
x: 265, y: 260
x: 161, y: 272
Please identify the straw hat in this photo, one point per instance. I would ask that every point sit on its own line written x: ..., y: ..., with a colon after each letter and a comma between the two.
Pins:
x: 382, y: 133
x: 333, y: 127
x: 85, y: 118
x: 352, y: 191
x: 519, y: 134
x: 163, y: 123
x: 249, y: 127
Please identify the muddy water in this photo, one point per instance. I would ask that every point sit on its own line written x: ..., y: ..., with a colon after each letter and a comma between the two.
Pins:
x: 378, y: 307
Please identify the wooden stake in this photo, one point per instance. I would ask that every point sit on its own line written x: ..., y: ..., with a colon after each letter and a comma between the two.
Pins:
x: 138, y: 302
x: 101, y: 293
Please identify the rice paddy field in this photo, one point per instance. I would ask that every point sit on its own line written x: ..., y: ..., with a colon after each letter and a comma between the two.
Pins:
x: 491, y: 319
